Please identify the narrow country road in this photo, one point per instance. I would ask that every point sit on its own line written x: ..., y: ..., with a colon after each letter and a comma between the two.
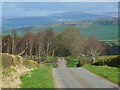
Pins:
x: 78, y: 78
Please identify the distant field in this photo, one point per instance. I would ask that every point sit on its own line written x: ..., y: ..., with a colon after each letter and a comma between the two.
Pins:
x: 101, y: 32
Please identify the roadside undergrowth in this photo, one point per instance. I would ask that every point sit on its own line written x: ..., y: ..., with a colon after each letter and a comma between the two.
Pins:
x: 13, y: 66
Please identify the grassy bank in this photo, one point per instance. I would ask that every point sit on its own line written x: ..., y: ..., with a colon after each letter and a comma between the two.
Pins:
x: 38, y: 78
x: 0, y: 61
x: 13, y: 66
x: 109, y: 73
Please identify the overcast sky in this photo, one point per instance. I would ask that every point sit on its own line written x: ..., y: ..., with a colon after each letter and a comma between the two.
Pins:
x: 59, y: 0
x: 20, y: 9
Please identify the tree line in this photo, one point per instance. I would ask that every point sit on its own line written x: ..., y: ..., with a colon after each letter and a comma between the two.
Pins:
x: 50, y: 43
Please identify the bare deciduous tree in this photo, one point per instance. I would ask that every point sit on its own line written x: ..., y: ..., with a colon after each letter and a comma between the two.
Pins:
x: 40, y: 42
x: 94, y: 48
x: 49, y: 38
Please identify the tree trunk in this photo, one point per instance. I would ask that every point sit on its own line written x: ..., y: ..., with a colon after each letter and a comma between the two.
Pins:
x: 93, y: 55
x: 13, y: 45
x: 36, y: 49
x: 39, y: 49
x: 26, y: 47
x: 53, y: 52
x: 22, y: 52
x: 30, y: 42
x: 47, y: 50
x: 94, y: 59
x: 8, y: 48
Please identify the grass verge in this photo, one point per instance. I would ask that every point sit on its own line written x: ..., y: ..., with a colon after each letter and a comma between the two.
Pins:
x: 109, y: 73
x: 38, y: 78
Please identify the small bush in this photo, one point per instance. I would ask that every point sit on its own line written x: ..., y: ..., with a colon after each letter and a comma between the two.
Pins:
x: 30, y: 64
x: 17, y: 60
x: 52, y: 59
x: 78, y: 64
x: 71, y: 61
x: 8, y: 71
x: 53, y: 65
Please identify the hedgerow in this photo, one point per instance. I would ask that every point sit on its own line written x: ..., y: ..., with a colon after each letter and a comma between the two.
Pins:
x: 113, y: 62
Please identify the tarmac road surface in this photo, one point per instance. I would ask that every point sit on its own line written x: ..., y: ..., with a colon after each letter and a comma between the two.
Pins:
x: 78, y: 78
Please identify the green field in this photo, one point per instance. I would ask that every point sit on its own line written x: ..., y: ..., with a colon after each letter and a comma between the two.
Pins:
x: 101, y: 32
x: 38, y: 78
x: 109, y: 73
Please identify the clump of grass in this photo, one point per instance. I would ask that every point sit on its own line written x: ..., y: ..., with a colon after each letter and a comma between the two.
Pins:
x: 30, y: 64
x: 109, y: 73
x: 39, y: 78
x: 7, y: 72
x: 53, y: 65
x: 17, y: 60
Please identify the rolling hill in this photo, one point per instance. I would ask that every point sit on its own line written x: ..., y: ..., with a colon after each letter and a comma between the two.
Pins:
x: 20, y: 22
x: 101, y: 32
x: 90, y: 25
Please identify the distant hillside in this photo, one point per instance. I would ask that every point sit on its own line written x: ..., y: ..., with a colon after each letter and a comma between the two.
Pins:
x: 99, y: 30
x: 12, y: 23
x: 102, y: 26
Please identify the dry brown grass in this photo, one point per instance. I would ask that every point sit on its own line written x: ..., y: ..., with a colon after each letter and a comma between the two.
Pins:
x: 13, y: 67
x: 13, y: 80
